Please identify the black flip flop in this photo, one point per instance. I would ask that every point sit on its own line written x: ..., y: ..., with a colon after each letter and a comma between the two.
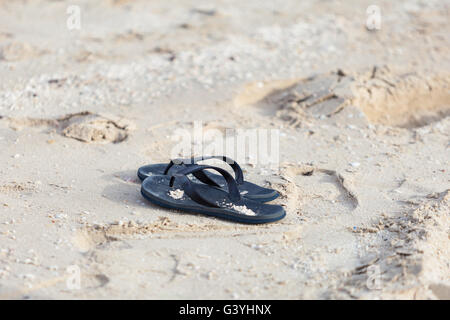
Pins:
x: 178, y: 192
x: 247, y: 189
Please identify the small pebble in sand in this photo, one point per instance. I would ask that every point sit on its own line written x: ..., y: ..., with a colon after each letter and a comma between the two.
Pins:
x: 355, y: 164
x: 27, y: 276
x: 176, y: 194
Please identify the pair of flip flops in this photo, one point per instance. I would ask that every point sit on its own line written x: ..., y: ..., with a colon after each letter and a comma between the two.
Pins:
x: 182, y: 184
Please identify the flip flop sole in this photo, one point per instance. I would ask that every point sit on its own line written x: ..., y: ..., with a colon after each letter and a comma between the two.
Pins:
x: 155, y: 189
x: 248, y: 190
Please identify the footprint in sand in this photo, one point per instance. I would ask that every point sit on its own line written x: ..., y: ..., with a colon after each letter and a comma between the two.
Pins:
x: 84, y: 126
x: 407, y: 100
x: 307, y: 187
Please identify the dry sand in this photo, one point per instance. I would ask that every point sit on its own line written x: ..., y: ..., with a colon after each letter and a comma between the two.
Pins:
x: 364, y: 148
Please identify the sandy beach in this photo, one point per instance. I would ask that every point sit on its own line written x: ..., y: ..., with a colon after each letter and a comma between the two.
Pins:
x: 357, y: 94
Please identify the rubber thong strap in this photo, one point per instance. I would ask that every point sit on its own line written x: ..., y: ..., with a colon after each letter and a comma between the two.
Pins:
x: 238, y: 174
x: 191, y: 188
x: 200, y: 175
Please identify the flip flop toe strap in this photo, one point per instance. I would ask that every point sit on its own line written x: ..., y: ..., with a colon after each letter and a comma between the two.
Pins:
x: 238, y: 174
x: 200, y: 175
x: 193, y: 190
